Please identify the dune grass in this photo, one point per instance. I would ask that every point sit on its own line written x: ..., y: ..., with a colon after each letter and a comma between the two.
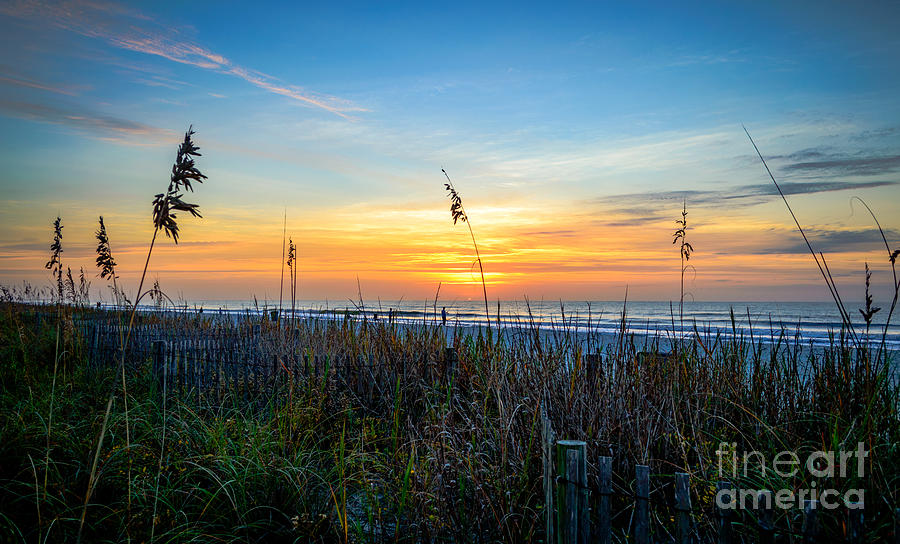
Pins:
x: 428, y: 457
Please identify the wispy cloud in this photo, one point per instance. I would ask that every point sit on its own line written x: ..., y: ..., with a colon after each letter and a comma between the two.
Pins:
x: 832, y: 241
x: 32, y: 84
x: 829, y: 161
x: 732, y: 56
x: 864, y: 166
x: 639, y: 208
x: 876, y: 134
x: 109, y: 127
x: 131, y: 30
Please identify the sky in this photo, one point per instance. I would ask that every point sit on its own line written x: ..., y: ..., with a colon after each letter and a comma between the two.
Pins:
x: 574, y: 133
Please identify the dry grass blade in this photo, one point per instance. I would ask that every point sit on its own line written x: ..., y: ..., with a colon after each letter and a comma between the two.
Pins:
x: 832, y: 287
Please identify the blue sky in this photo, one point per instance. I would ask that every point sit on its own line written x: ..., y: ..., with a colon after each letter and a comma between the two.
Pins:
x: 573, y: 131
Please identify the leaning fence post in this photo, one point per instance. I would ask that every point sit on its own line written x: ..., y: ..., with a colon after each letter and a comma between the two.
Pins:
x: 855, y: 531
x: 683, y: 506
x: 724, y: 513
x: 641, y: 506
x: 810, y: 521
x: 764, y: 517
x: 605, y: 512
x: 572, y: 504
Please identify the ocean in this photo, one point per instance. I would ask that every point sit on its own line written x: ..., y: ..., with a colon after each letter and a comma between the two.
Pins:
x: 808, y: 322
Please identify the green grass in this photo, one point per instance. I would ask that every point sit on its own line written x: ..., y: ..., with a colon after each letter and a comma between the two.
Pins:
x: 426, y: 458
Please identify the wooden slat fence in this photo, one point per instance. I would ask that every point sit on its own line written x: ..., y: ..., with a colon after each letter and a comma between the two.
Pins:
x: 245, y: 362
x: 566, y: 518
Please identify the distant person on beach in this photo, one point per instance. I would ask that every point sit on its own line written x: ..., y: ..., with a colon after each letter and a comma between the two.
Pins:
x: 375, y: 316
x: 444, y: 316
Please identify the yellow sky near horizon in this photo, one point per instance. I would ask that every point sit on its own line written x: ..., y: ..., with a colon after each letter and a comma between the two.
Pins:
x: 543, y: 251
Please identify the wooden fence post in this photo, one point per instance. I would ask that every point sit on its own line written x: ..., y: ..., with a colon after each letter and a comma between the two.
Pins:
x: 641, y: 506
x: 95, y: 345
x: 683, y: 507
x: 547, y: 454
x: 764, y: 517
x: 604, y: 506
x: 450, y: 360
x: 245, y: 369
x: 593, y: 362
x: 810, y: 522
x: 572, y: 505
x: 182, y: 366
x: 160, y: 369
x: 897, y: 526
x: 724, y: 514
x: 855, y: 530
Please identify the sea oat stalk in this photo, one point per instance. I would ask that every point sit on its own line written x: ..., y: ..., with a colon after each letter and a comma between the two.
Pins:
x: 55, y: 266
x: 55, y: 262
x: 165, y: 206
x: 458, y: 213
x: 292, y: 266
x: 685, y: 251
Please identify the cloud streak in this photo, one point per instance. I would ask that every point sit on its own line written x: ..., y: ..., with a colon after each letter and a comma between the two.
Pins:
x: 80, y: 119
x: 824, y: 161
x: 130, y: 30
x: 8, y: 79
x: 832, y: 241
x: 640, y: 208
x: 865, y: 166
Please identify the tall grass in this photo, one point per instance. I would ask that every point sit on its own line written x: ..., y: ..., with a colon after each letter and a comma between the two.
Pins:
x: 875, y: 370
x: 165, y: 208
x: 432, y: 454
x: 55, y: 266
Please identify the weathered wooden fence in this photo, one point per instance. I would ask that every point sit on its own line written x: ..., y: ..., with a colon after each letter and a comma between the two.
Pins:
x: 248, y: 363
x: 569, y: 501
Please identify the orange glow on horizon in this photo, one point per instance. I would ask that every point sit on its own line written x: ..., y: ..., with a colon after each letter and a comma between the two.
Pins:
x: 534, y: 254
